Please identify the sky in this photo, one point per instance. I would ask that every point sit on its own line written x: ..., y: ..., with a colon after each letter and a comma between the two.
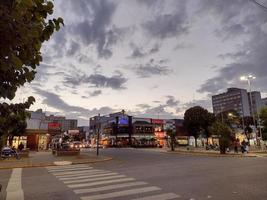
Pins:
x: 152, y: 58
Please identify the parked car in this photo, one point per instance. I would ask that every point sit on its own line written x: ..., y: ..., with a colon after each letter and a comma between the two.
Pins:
x: 77, y: 145
x: 95, y: 146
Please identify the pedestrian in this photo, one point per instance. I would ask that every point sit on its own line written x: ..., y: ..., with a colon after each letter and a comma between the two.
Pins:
x: 21, y: 146
x: 236, y: 145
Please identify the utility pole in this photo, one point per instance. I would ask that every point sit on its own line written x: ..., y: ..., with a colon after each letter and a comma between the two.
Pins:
x: 97, y: 141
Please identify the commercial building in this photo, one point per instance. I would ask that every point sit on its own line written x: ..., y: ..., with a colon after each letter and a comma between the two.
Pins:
x: 120, y: 129
x: 264, y: 102
x: 256, y: 104
x: 234, y: 99
x: 65, y: 124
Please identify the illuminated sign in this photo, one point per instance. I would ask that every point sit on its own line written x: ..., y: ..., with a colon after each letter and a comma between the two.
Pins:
x: 53, y: 125
x: 157, y: 121
x: 123, y: 120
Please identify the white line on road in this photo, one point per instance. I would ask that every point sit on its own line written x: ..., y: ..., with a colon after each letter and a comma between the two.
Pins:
x: 166, y: 196
x: 14, y: 189
x: 66, y: 166
x: 109, y: 187
x: 100, y: 183
x: 94, y: 179
x: 73, y: 172
x: 96, y: 171
x: 71, y: 169
x: 121, y: 193
x: 87, y: 176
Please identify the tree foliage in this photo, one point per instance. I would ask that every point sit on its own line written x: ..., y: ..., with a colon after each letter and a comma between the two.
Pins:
x: 172, y: 134
x: 13, y: 119
x: 23, y: 29
x: 24, y: 26
x: 263, y: 117
x: 197, y: 120
x: 225, y: 134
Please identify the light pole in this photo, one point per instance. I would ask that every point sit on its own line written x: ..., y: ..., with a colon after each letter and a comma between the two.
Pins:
x: 249, y: 78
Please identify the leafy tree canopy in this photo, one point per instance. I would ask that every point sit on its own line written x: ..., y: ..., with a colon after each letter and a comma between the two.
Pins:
x: 13, y: 119
x: 263, y: 117
x: 23, y: 29
x: 197, y: 120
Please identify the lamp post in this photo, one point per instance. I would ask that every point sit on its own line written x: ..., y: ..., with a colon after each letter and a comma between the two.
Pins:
x: 249, y: 78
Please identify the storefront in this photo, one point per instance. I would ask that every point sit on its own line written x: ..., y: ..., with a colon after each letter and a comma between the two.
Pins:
x: 37, y: 140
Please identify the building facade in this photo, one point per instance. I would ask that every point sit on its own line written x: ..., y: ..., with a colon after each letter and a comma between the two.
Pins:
x: 234, y: 99
x: 264, y: 102
x: 256, y: 104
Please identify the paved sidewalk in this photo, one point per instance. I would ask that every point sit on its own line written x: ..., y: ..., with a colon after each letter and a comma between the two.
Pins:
x: 45, y: 158
x: 203, y: 152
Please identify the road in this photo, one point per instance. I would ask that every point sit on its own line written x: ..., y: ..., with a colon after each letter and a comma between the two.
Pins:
x: 147, y: 174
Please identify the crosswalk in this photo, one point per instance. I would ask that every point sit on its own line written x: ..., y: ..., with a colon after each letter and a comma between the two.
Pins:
x: 95, y: 184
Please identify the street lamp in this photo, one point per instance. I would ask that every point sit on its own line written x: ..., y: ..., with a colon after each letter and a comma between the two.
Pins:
x: 249, y: 78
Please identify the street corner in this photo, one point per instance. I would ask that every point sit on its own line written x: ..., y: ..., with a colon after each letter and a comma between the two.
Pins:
x: 213, y: 154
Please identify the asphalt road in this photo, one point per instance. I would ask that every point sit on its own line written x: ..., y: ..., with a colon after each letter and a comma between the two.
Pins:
x: 137, y: 173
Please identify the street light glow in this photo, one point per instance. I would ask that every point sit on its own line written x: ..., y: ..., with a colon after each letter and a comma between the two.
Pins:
x: 248, y: 77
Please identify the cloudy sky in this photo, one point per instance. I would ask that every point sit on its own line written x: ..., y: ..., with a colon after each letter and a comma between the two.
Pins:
x: 153, y: 58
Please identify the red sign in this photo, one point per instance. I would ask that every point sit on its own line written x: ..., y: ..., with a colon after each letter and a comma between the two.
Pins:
x: 53, y: 125
x: 157, y: 121
x: 160, y: 134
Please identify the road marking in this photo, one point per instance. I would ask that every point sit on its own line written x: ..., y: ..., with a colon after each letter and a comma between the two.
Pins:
x: 87, y: 176
x: 94, y: 179
x: 121, y: 193
x: 100, y: 182
x: 71, y: 169
x: 109, y: 187
x: 73, y: 172
x: 14, y: 189
x: 96, y: 171
x: 66, y: 167
x: 165, y: 196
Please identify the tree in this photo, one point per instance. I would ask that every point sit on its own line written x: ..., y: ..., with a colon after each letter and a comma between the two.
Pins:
x: 197, y: 120
x: 172, y: 134
x: 13, y: 120
x: 230, y: 117
x: 225, y: 134
x: 263, y: 118
x: 23, y: 29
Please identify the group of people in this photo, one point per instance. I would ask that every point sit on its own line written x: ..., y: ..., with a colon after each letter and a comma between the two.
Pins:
x: 244, y: 146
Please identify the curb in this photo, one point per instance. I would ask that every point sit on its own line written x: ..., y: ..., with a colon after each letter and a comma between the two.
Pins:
x: 212, y: 154
x: 52, y: 164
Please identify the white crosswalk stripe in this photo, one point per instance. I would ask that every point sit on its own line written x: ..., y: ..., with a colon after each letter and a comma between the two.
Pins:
x: 121, y: 193
x: 69, y: 169
x: 109, y: 187
x: 100, y: 182
x: 94, y: 184
x: 166, y: 196
x: 91, y: 172
x: 94, y: 179
x: 87, y: 176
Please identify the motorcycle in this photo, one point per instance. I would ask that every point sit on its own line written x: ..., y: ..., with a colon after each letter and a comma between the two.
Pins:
x: 8, y: 152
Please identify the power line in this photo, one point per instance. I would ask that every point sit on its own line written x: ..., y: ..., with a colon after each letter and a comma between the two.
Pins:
x: 262, y: 6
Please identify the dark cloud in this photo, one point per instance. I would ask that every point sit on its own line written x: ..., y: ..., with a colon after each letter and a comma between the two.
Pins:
x: 171, y: 101
x: 95, y: 93
x: 143, y: 106
x: 169, y: 25
x: 140, y: 53
x: 54, y: 101
x: 235, y: 55
x: 151, y: 68
x: 115, y: 82
x: 73, y: 49
x: 250, y: 57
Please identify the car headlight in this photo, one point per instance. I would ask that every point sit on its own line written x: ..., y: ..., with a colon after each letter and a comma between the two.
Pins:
x: 71, y: 146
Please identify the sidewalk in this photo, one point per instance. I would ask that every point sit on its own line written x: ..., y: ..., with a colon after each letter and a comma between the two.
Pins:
x: 204, y: 152
x: 45, y: 158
